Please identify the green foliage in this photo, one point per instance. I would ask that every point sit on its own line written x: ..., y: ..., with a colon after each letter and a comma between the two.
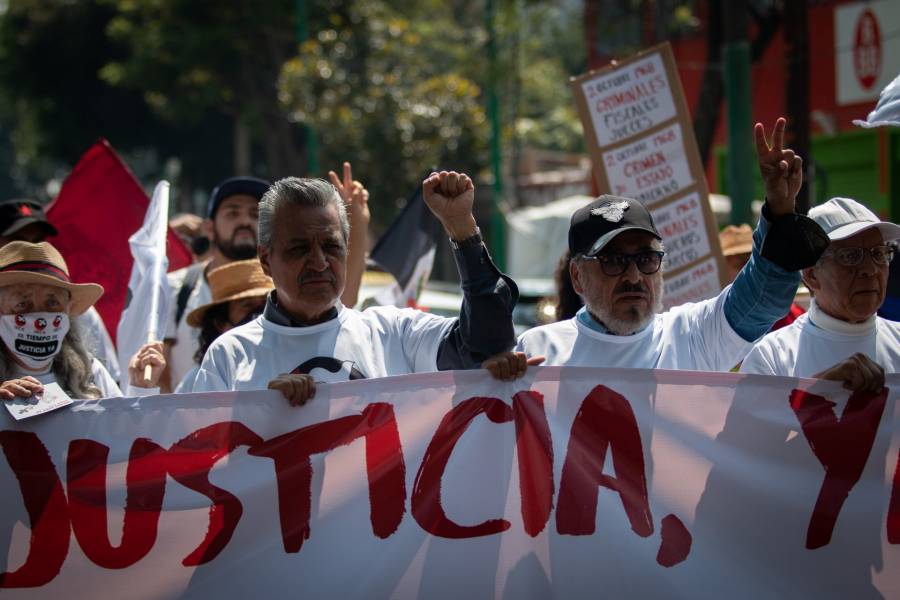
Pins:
x: 52, y: 105
x: 385, y: 92
x: 544, y: 47
x: 391, y: 85
x: 190, y: 57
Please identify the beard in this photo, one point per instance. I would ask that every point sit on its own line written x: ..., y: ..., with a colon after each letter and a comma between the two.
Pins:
x: 634, y: 318
x: 235, y: 249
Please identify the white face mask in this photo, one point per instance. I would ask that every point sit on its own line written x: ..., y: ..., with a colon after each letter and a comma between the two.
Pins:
x: 35, y: 338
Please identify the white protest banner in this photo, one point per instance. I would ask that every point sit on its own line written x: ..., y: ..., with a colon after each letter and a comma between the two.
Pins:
x: 641, y: 139
x: 569, y: 483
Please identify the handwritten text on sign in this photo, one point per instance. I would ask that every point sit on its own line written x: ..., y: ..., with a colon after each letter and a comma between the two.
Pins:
x: 629, y: 101
x: 702, y: 281
x: 651, y: 168
x: 398, y: 465
x: 683, y: 230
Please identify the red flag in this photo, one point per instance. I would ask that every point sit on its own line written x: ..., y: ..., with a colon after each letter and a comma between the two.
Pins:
x: 99, y: 206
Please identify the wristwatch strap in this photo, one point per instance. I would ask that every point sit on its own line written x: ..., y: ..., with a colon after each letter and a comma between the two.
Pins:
x: 473, y: 241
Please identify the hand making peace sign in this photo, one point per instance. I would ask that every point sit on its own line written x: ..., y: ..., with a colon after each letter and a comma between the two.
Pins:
x: 781, y: 169
x: 354, y: 194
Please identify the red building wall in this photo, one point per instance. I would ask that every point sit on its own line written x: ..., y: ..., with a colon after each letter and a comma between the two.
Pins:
x: 768, y: 77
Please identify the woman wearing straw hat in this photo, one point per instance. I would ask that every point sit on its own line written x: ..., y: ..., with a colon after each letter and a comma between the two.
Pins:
x: 39, y: 342
x: 239, y: 291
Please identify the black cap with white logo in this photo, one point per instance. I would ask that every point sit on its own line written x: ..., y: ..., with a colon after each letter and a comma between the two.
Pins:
x: 595, y: 225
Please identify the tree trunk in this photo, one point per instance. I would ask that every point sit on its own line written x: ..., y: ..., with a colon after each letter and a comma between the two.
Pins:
x: 796, y: 35
x: 712, y: 89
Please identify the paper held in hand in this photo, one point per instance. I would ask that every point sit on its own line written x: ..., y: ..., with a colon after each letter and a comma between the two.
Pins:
x: 52, y: 398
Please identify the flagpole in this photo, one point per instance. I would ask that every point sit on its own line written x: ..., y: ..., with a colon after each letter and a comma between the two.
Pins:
x: 161, y: 196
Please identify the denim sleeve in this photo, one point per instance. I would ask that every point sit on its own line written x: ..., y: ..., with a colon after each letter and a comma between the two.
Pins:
x: 761, y: 293
x: 485, y: 325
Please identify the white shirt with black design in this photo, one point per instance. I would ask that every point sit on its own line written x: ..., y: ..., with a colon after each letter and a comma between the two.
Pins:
x: 378, y: 342
x: 694, y: 336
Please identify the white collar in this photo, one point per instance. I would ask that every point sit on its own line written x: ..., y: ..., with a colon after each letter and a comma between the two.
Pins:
x: 822, y: 320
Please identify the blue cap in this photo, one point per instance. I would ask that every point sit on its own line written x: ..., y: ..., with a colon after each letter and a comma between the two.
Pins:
x: 249, y: 186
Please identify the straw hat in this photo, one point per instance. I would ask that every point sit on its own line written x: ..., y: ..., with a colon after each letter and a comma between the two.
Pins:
x: 24, y: 262
x: 736, y: 240
x: 236, y: 280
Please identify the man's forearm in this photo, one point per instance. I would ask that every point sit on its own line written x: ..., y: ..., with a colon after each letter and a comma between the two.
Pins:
x: 485, y: 326
x: 761, y: 293
x: 356, y: 263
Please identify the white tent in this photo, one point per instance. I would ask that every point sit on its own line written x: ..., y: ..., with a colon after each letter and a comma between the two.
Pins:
x: 537, y: 236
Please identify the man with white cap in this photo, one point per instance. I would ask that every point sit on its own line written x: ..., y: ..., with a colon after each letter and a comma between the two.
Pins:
x: 617, y: 255
x: 840, y: 338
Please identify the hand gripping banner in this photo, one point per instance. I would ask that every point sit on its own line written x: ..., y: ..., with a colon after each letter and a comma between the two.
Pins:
x: 569, y: 483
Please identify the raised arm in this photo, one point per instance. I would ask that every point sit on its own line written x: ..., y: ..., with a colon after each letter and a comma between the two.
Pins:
x: 485, y: 326
x: 783, y: 243
x: 356, y: 199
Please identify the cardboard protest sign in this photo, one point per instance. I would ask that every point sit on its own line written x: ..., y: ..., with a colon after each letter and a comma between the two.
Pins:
x: 568, y: 483
x: 639, y: 132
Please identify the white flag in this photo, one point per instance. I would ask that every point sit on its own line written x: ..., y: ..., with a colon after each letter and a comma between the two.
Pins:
x: 147, y: 301
x: 887, y: 111
x: 407, y: 295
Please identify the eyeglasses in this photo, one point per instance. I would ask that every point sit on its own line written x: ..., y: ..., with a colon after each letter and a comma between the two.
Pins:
x: 851, y: 257
x: 648, y: 262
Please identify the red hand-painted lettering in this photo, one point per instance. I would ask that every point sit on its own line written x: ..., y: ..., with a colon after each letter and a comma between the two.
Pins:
x: 45, y: 502
x: 842, y: 446
x: 385, y: 468
x: 426, y: 497
x: 605, y: 420
x: 145, y: 479
x: 190, y: 461
x: 535, y: 451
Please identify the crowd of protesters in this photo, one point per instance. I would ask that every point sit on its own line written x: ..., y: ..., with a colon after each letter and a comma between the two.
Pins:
x: 269, y: 304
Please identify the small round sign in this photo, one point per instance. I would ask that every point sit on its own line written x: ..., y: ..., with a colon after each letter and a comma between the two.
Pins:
x: 867, y: 49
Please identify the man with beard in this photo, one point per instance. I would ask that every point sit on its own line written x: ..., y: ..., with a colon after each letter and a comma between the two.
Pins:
x: 231, y: 224
x: 616, y: 268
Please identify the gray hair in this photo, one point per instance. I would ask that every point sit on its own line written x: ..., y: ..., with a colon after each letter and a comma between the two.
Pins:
x: 298, y: 191
x: 71, y: 367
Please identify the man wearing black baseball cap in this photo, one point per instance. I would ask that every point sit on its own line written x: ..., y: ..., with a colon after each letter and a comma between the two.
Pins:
x: 23, y: 220
x: 232, y: 216
x: 617, y: 256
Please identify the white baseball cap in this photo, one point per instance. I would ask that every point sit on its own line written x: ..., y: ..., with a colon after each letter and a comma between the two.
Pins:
x: 843, y: 217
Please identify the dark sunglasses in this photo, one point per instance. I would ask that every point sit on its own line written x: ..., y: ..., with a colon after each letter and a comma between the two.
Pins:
x: 648, y: 262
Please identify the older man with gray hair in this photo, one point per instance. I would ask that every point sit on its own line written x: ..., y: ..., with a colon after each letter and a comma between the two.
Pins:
x: 305, y: 334
x: 840, y: 338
